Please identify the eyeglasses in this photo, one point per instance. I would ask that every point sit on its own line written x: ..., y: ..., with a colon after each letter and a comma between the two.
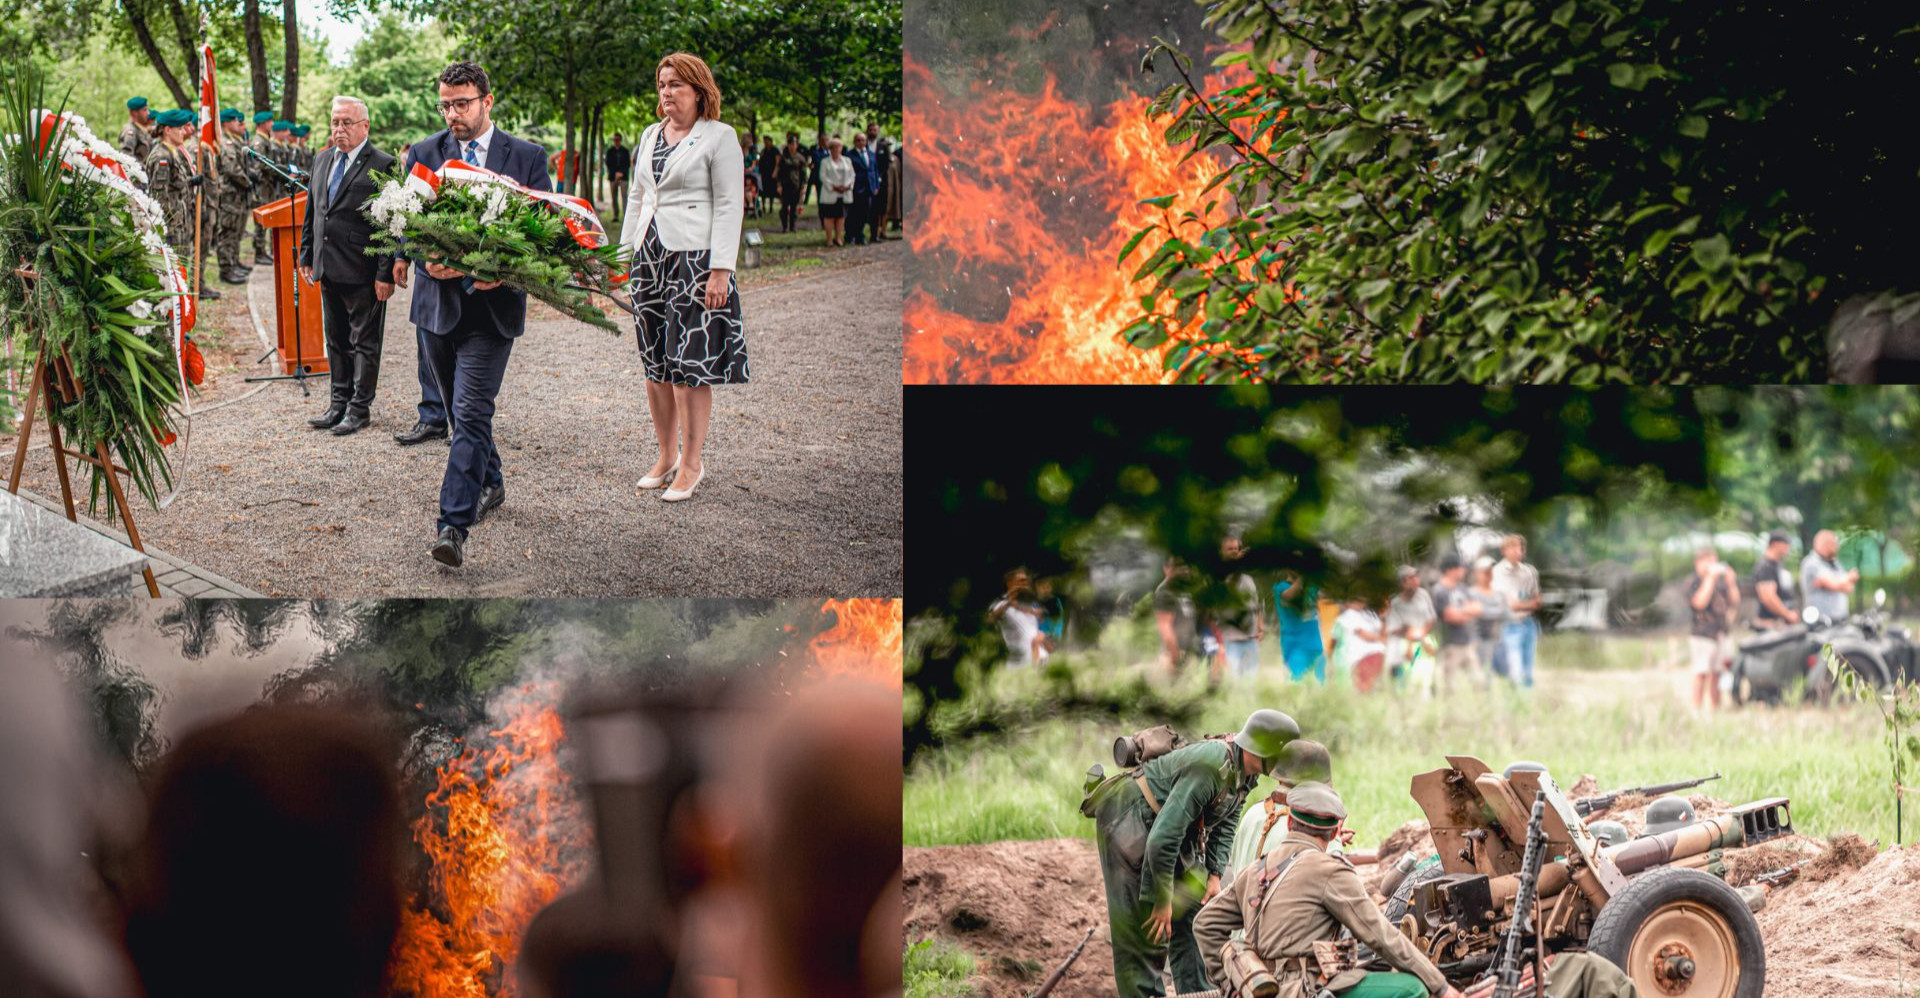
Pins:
x: 339, y: 123
x: 458, y: 106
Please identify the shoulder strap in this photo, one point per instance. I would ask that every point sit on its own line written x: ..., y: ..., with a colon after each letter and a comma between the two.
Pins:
x: 1269, y: 876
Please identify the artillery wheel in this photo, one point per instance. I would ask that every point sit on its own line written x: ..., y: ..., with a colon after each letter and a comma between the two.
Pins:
x: 1681, y: 932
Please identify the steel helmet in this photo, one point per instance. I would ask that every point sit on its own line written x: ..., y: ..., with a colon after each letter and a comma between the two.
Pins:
x: 1265, y: 734
x: 1303, y: 761
x: 1610, y: 833
x: 1667, y: 814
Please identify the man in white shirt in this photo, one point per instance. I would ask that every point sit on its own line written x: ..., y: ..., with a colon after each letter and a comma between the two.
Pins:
x: 1519, y: 582
x: 1826, y: 584
x: 1019, y: 620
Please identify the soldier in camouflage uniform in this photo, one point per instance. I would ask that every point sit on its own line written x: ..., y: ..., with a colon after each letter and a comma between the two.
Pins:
x: 136, y: 137
x: 266, y: 185
x: 230, y: 214
x: 301, y: 154
x: 171, y: 180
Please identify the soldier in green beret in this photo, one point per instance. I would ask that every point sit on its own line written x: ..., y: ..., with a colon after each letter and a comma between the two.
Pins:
x: 266, y: 185
x: 171, y: 180
x: 236, y: 182
x: 301, y: 154
x: 283, y: 149
x: 136, y: 136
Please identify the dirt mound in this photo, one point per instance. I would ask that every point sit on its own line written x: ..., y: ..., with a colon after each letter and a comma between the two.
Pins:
x: 1852, y: 933
x: 1019, y: 907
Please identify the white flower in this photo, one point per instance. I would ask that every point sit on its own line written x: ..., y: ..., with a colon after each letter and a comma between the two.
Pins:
x: 140, y: 309
x: 496, y: 204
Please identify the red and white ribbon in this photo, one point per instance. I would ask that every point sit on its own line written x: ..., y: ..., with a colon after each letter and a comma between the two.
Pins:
x: 582, y: 222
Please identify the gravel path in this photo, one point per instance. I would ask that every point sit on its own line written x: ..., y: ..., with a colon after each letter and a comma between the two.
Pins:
x: 802, y: 495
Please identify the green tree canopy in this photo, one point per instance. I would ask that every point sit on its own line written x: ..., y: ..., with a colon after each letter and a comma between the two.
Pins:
x: 1501, y: 190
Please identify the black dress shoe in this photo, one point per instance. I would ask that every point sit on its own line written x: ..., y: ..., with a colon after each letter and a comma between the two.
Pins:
x: 329, y: 418
x: 349, y: 424
x: 422, y: 431
x: 449, y: 549
x: 491, y: 496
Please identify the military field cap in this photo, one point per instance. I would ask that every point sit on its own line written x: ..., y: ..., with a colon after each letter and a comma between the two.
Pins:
x: 177, y: 116
x: 300, y: 131
x: 136, y: 103
x: 262, y: 116
x: 282, y: 126
x: 1315, y: 804
x: 230, y: 114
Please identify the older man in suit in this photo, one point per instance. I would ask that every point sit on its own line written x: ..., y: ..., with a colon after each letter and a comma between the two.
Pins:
x: 354, y: 287
x: 866, y: 188
x: 467, y: 328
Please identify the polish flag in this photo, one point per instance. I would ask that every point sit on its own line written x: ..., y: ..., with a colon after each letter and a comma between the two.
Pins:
x: 209, y: 99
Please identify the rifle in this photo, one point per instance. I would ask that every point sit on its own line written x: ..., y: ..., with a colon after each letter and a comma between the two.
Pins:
x: 1588, y: 805
x: 1783, y: 876
x: 1053, y: 979
x: 1507, y: 971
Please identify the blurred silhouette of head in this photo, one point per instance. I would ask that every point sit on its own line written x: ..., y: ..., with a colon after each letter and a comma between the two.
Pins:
x: 578, y: 948
x: 51, y: 945
x: 271, y: 861
x: 825, y: 855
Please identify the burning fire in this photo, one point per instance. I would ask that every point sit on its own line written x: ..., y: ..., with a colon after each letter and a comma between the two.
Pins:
x: 512, y: 840
x: 1031, y: 198
x: 864, y: 641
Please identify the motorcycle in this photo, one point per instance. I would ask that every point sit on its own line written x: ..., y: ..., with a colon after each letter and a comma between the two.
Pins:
x: 1770, y: 663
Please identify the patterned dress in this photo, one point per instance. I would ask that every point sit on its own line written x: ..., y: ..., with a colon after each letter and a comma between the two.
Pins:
x: 683, y: 342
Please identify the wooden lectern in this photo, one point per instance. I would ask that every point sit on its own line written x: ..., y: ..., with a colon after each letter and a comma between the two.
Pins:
x: 306, y: 352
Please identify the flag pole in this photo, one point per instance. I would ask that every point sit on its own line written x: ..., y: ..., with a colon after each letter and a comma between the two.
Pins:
x: 199, y: 156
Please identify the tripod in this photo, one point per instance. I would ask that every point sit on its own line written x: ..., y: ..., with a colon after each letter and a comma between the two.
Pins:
x: 301, y: 370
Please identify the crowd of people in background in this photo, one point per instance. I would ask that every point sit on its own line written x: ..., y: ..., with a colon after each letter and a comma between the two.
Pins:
x: 855, y: 186
x: 1463, y: 621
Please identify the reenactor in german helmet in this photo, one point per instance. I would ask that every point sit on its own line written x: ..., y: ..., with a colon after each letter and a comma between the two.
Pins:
x: 136, y: 136
x: 1164, y: 838
x: 266, y: 185
x: 1299, y: 895
x: 1264, y: 825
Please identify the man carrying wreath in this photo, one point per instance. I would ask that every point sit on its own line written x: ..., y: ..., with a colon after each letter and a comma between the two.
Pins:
x: 467, y: 328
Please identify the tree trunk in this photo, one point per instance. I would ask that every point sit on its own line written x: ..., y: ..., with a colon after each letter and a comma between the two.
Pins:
x: 820, y: 105
x: 143, y: 33
x: 257, y: 59
x: 184, y: 30
x: 290, y: 27
x: 566, y: 154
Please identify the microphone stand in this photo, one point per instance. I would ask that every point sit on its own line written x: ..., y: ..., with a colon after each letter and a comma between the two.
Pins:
x: 301, y: 370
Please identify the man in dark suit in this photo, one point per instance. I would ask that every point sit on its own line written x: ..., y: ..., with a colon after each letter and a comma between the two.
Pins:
x: 882, y: 162
x: 866, y: 187
x: 354, y: 287
x: 467, y: 328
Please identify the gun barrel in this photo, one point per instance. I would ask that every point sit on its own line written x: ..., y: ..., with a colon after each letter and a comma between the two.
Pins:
x: 1053, y: 979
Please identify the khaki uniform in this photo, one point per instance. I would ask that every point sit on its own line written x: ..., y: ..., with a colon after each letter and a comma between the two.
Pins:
x: 230, y: 219
x: 135, y: 141
x: 168, y: 170
x: 267, y: 188
x: 1310, y: 901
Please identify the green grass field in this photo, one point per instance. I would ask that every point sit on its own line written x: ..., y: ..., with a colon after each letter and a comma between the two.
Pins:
x: 1607, y: 706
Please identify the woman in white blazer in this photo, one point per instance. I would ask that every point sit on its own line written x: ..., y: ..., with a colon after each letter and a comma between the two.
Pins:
x: 836, y: 192
x: 689, y: 183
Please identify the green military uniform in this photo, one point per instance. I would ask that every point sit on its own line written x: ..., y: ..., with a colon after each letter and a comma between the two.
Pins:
x: 301, y: 154
x: 230, y: 220
x: 169, y: 172
x: 1299, y: 894
x: 1159, y: 843
x: 135, y: 140
x: 265, y: 186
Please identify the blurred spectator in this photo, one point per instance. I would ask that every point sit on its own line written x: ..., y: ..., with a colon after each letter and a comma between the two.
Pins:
x: 1823, y: 580
x: 1773, y: 584
x: 1241, y: 622
x: 767, y: 166
x: 1410, y: 618
x: 1018, y: 615
x: 1490, y: 628
x: 794, y: 166
x: 836, y: 192
x: 1359, y: 644
x: 1297, y: 607
x: 866, y: 188
x: 1714, y: 595
x: 1053, y: 613
x: 1173, y: 613
x: 51, y: 944
x: 1519, y: 582
x: 271, y: 861
x: 619, y: 160
x: 1459, y: 614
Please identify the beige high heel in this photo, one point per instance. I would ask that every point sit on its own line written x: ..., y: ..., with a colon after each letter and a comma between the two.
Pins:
x: 675, y: 495
x: 658, y: 481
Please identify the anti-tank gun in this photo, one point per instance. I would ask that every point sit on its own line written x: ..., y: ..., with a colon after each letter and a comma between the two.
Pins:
x: 1648, y: 905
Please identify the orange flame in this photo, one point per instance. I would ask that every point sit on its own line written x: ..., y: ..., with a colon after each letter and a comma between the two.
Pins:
x: 1006, y: 183
x: 864, y: 641
x: 513, y: 839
